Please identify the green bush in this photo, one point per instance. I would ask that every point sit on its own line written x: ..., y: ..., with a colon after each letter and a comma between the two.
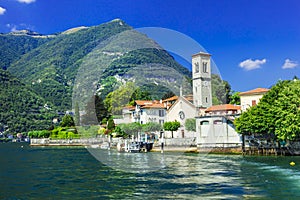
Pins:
x: 64, y: 133
x: 39, y: 134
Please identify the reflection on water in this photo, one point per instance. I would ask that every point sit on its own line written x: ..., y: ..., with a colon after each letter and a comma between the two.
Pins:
x: 72, y: 173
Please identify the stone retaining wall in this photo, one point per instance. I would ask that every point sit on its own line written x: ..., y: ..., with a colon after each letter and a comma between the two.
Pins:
x: 67, y: 142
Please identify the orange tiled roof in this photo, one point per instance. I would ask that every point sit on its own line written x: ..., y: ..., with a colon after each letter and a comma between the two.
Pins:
x: 173, y: 98
x: 189, y: 98
x: 155, y: 105
x: 255, y: 91
x: 223, y: 107
x: 149, y: 104
x: 143, y: 102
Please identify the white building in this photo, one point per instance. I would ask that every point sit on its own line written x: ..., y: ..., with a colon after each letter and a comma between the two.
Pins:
x: 180, y: 110
x: 201, y: 70
x: 216, y: 129
x: 149, y: 111
x: 214, y: 124
x: 251, y: 98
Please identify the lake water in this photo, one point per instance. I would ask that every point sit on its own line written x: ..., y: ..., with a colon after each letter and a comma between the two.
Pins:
x: 73, y: 173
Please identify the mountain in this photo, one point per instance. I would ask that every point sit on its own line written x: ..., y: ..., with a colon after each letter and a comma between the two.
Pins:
x: 51, y: 65
x: 16, y: 44
x: 69, y: 68
x: 21, y: 108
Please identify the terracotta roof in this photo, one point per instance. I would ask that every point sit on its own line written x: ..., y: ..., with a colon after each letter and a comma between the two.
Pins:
x: 223, y: 107
x: 255, y: 91
x: 173, y: 98
x: 189, y: 98
x: 149, y: 104
x: 143, y: 102
x: 155, y: 105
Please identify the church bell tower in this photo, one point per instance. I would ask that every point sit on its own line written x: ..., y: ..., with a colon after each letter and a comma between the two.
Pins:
x: 201, y: 70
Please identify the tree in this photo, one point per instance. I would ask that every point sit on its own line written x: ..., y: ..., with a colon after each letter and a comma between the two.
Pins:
x: 89, y: 118
x: 67, y: 121
x: 77, y: 114
x: 278, y: 112
x: 235, y: 98
x: 120, y: 133
x: 139, y: 94
x: 110, y: 125
x: 116, y: 100
x: 220, y: 90
x: 95, y: 111
x: 100, y: 109
x: 131, y: 128
x: 151, y: 127
x: 190, y: 124
x: 171, y: 126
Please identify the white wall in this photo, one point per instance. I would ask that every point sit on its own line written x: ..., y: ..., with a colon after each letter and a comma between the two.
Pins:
x: 189, y: 111
x: 216, y: 132
x: 246, y: 101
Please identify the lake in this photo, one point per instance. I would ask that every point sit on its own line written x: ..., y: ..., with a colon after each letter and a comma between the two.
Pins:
x: 74, y: 173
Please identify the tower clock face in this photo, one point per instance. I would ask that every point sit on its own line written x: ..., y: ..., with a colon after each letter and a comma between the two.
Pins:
x: 205, y: 83
x: 181, y: 115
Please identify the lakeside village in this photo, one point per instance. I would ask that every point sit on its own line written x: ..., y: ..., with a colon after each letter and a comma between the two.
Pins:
x: 214, y: 124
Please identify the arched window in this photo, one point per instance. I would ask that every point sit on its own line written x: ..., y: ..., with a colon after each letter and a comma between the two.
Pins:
x: 218, y: 121
x: 204, y: 122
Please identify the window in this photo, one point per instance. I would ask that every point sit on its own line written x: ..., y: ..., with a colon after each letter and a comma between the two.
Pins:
x: 204, y: 123
x: 196, y: 67
x: 161, y: 113
x: 206, y: 100
x: 204, y: 65
x: 253, y: 102
x: 161, y: 122
x: 218, y: 122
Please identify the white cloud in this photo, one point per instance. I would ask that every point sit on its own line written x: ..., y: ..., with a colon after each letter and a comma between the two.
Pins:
x: 250, y: 64
x: 18, y: 27
x: 12, y: 27
x: 2, y: 10
x: 289, y: 64
x: 26, y: 1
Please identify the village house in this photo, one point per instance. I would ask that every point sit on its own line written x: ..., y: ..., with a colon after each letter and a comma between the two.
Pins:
x: 145, y: 111
x: 251, y: 98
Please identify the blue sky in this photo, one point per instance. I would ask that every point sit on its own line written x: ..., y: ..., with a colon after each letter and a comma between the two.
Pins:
x: 253, y: 43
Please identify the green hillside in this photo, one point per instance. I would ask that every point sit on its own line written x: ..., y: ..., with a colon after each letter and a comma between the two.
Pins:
x: 51, y: 68
x: 21, y: 109
x: 13, y: 46
x: 77, y: 63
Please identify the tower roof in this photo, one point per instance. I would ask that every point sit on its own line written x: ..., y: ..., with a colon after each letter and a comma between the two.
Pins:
x: 201, y: 54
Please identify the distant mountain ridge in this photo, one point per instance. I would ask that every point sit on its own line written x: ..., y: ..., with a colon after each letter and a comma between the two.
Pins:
x: 41, y: 72
x: 50, y: 65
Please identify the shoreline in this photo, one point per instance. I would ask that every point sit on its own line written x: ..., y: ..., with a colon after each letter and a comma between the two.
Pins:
x: 183, y: 146
x: 181, y: 149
